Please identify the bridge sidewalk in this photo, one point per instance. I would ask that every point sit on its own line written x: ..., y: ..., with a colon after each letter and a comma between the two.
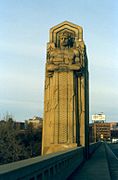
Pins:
x: 96, y: 168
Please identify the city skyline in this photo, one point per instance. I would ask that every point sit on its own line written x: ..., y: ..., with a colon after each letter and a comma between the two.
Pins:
x: 24, y: 35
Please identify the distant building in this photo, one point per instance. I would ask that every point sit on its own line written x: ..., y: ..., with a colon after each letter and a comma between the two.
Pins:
x: 114, y: 132
x: 36, y: 122
x: 101, y: 131
x: 100, y: 128
x: 19, y: 125
x: 114, y: 125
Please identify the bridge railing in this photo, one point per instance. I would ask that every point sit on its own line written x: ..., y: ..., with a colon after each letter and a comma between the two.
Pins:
x: 54, y: 166
x: 112, y: 162
x: 93, y: 147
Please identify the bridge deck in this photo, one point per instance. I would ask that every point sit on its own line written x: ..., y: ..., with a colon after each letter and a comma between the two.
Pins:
x: 96, y: 168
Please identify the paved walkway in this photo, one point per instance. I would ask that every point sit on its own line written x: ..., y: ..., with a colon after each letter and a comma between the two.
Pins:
x: 96, y: 168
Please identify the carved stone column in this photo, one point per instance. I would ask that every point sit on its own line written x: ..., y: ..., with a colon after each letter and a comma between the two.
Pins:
x: 66, y: 104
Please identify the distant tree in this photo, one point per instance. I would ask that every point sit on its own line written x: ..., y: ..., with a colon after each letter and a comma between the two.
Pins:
x: 17, y: 144
x: 33, y: 138
x: 11, y: 148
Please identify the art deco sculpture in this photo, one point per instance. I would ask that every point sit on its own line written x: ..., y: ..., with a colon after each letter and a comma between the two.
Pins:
x: 66, y: 90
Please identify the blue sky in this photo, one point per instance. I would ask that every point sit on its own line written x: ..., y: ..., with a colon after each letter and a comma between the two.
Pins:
x: 24, y: 32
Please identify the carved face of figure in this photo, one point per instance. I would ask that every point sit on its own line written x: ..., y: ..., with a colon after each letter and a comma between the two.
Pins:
x: 64, y: 40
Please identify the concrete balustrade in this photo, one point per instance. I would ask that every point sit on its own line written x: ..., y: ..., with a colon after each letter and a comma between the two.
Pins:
x: 53, y: 166
x: 112, y: 162
x: 93, y: 147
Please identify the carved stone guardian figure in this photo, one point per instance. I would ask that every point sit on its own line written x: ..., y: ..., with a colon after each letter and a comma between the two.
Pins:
x: 66, y: 90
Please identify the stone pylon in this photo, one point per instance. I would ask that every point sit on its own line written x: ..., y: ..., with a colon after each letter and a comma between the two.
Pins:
x: 66, y: 98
